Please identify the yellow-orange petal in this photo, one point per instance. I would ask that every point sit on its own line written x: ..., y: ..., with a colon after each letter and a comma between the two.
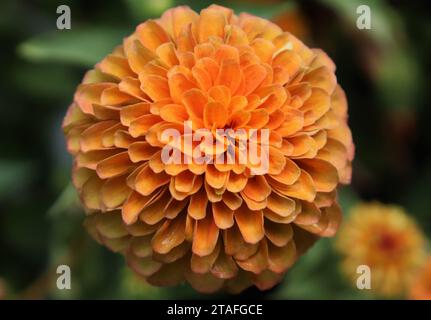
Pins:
x: 205, y: 236
x: 250, y: 224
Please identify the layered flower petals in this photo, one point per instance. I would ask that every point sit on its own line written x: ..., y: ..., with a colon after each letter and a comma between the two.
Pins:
x: 215, y: 225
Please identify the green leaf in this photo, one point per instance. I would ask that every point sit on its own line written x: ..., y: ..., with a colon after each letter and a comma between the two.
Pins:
x: 80, y: 46
x: 261, y: 9
x: 142, y: 10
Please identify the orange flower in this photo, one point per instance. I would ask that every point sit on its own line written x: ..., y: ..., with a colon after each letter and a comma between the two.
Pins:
x: 213, y: 225
x: 384, y: 238
x: 420, y: 288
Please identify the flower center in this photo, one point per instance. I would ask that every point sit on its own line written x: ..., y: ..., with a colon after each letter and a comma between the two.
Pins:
x: 387, y: 242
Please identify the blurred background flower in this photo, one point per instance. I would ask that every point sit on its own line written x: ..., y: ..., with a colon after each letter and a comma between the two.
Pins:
x: 420, y: 288
x: 384, y: 72
x: 385, y: 239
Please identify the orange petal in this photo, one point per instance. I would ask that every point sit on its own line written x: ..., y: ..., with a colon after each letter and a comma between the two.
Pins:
x: 212, y: 23
x: 215, y: 178
x: 113, y: 97
x: 140, y: 151
x: 281, y: 258
x: 151, y: 34
x: 91, y: 138
x: 142, y: 266
x: 225, y: 52
x: 140, y: 126
x: 322, y: 78
x: 205, y: 283
x: 257, y: 188
x: 223, y: 215
x: 194, y: 100
x: 133, y: 206
x: 205, y: 236
x: 281, y: 205
x: 173, y: 208
x: 87, y: 94
x: 232, y: 240
x: 309, y: 215
x: 115, y: 66
x: 166, y: 53
x: 258, y: 262
x: 220, y: 94
x: 169, y: 236
x: 293, y: 122
x: 259, y: 118
x: 289, y: 174
x: 203, y: 264
x: 229, y: 75
x: 155, y: 87
x: 114, y: 192
x: 303, y: 188
x: 133, y: 112
x: 232, y: 200
x: 91, y: 193
x: 303, y: 145
x: 147, y: 181
x: 289, y: 61
x: 323, y: 173
x: 277, y: 161
x: 215, y: 115
x: 181, y: 17
x: 254, y: 74
x: 154, y: 210
x: 236, y: 182
x: 114, y: 166
x: 178, y: 85
x: 175, y: 113
x: 224, y: 267
x: 110, y: 225
x: 198, y: 204
x: 278, y: 233
x: 250, y: 224
x: 263, y: 48
x: 315, y: 106
x: 138, y: 55
x: 202, y: 77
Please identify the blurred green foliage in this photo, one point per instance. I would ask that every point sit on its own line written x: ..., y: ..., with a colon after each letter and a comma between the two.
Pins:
x: 383, y: 71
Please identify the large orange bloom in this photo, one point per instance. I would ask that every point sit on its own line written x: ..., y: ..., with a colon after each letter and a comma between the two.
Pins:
x: 387, y: 240
x: 212, y: 225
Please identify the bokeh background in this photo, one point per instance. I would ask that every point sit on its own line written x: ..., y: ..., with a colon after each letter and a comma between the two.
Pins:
x: 384, y: 71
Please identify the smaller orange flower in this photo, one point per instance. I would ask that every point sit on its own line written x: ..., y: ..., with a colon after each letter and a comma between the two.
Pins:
x: 387, y: 240
x: 420, y: 288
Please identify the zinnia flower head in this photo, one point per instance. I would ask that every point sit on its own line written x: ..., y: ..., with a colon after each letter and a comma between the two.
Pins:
x: 420, y: 288
x: 387, y: 240
x: 213, y: 225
